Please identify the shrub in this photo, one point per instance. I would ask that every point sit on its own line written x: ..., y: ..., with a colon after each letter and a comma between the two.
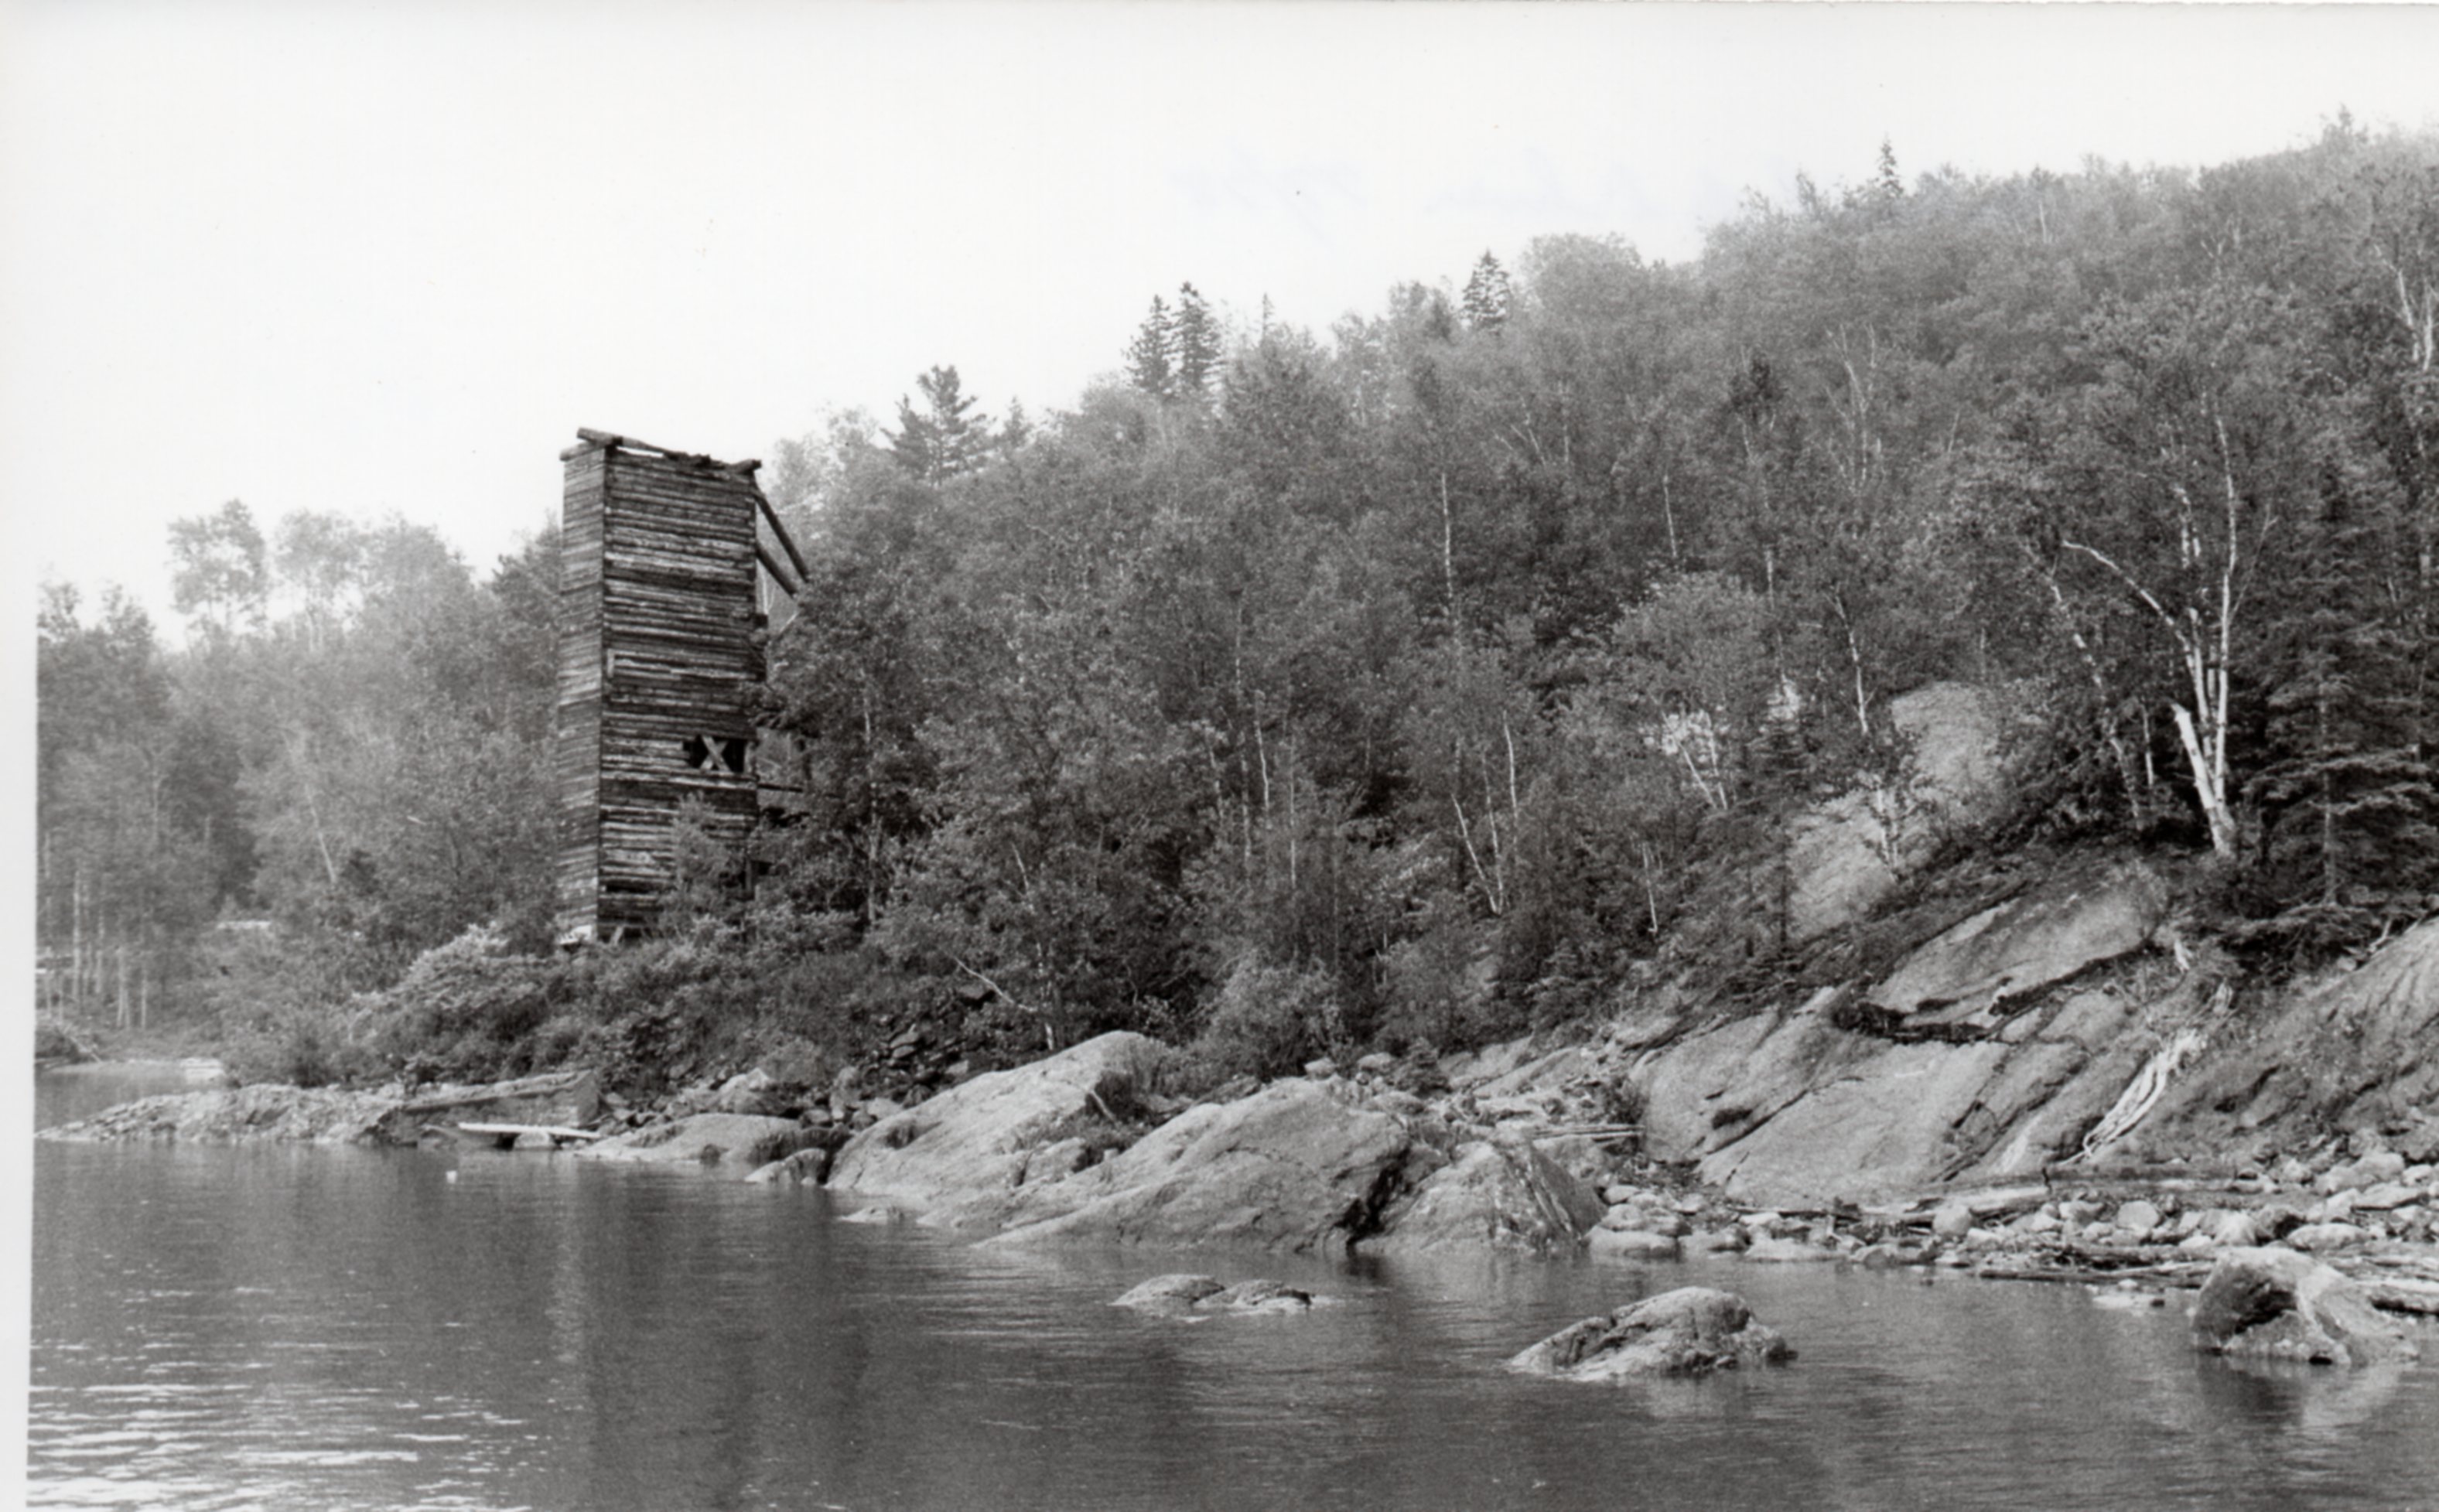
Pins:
x: 1269, y: 1021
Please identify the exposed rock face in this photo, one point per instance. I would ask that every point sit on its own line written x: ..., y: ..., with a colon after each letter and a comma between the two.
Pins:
x: 1790, y: 1109
x: 2024, y: 945
x: 2346, y: 1052
x: 1497, y: 1194
x: 1290, y: 1168
x: 1690, y: 1331
x: 743, y: 1142
x: 1849, y: 853
x: 2274, y: 1304
x: 980, y: 1140
x: 316, y: 1114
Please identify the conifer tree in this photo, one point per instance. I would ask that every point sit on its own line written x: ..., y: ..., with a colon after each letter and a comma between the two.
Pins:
x: 945, y: 438
x: 1151, y: 356
x: 1194, y: 343
x: 1486, y: 294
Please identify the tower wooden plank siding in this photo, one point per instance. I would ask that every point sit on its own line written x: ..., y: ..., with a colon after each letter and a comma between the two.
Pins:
x: 660, y: 658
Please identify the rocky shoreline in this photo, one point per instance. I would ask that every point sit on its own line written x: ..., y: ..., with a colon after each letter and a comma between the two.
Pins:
x: 1087, y: 1146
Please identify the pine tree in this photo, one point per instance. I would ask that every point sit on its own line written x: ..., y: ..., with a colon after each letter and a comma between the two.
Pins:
x: 1151, y: 356
x: 945, y: 438
x: 2349, y: 840
x: 1195, y: 343
x: 1486, y: 295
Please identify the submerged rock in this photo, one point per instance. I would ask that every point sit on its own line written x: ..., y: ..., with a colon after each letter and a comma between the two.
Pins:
x: 1179, y: 1293
x: 1176, y: 1291
x: 1690, y: 1331
x: 2274, y: 1304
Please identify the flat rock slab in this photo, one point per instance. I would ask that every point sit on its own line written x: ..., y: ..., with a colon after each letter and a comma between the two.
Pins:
x: 2023, y: 944
x: 1690, y: 1331
x: 1883, y: 1129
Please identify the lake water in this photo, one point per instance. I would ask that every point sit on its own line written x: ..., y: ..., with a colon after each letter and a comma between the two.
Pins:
x: 323, y: 1329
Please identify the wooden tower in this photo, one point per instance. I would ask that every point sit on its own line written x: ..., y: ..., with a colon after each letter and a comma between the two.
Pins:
x: 665, y: 578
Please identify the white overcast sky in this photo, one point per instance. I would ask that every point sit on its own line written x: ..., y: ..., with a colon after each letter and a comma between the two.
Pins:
x: 369, y: 257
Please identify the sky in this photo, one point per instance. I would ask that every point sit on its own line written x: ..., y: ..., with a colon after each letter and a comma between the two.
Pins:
x: 384, y: 257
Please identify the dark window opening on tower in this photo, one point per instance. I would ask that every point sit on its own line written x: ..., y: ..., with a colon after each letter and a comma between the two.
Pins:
x: 700, y: 752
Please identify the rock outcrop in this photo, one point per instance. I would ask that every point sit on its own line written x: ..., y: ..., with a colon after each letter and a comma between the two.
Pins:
x: 1290, y: 1168
x: 1967, y: 973
x: 741, y: 1142
x: 311, y: 1114
x: 1848, y: 854
x: 1690, y: 1331
x: 1501, y: 1194
x: 2274, y: 1304
x: 1963, y: 1065
x: 978, y: 1142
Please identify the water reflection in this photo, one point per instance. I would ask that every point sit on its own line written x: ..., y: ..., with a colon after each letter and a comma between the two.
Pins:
x: 337, y: 1328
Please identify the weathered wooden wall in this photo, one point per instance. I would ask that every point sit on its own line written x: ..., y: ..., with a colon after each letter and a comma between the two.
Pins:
x: 660, y: 661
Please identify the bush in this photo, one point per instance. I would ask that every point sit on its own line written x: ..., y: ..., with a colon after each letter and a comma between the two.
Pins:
x: 298, y: 1045
x: 470, y: 1011
x: 1270, y: 1020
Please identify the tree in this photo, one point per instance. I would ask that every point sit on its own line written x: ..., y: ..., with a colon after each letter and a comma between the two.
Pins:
x: 1152, y: 357
x: 221, y: 573
x: 947, y: 439
x: 1486, y: 294
x: 2193, y: 445
x: 1194, y: 340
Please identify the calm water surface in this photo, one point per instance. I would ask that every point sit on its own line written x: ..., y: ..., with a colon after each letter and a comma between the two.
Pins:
x: 320, y: 1328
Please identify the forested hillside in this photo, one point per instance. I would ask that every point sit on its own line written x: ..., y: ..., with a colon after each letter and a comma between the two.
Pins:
x: 1445, y: 675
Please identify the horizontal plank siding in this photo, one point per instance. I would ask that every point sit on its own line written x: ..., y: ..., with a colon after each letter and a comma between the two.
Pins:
x: 661, y: 644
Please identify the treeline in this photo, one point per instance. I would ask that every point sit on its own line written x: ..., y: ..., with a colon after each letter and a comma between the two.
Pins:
x: 351, y: 747
x: 1444, y: 675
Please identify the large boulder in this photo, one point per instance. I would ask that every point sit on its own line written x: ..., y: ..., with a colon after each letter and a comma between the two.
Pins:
x: 1290, y: 1168
x: 2274, y: 1303
x: 740, y: 1142
x: 1502, y: 1194
x: 1690, y: 1331
x: 979, y: 1140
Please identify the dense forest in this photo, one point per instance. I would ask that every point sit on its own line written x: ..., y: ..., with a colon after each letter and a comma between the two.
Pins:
x: 1444, y: 675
